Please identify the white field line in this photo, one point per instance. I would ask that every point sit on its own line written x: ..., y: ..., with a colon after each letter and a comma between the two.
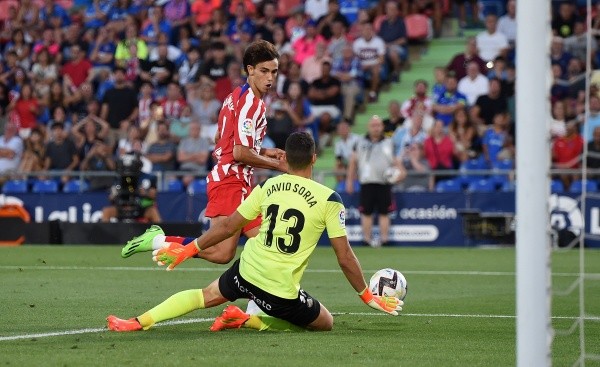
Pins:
x: 221, y: 269
x: 200, y: 320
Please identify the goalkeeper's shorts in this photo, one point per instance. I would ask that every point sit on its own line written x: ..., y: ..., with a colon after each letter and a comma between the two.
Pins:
x: 300, y: 311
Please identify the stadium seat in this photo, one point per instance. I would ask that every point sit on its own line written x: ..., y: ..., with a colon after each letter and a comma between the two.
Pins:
x: 577, y: 186
x: 340, y: 187
x: 482, y: 185
x: 474, y: 164
x: 453, y: 185
x: 45, y: 187
x: 508, y: 186
x: 500, y: 179
x: 174, y: 186
x: 75, y: 185
x: 197, y: 187
x: 14, y: 187
x: 557, y: 187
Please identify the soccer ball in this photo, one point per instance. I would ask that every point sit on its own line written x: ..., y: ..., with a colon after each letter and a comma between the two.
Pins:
x: 388, y: 282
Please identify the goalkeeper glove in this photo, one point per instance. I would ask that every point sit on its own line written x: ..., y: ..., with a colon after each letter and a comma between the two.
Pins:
x: 175, y: 254
x: 389, y: 305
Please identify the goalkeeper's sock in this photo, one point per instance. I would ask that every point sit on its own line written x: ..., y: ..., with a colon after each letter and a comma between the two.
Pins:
x: 162, y: 241
x: 265, y: 322
x: 177, y: 305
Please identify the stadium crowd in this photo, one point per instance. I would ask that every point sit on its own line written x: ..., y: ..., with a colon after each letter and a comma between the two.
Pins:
x: 83, y: 82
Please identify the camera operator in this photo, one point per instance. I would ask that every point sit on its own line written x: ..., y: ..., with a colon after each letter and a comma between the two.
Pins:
x: 134, y: 197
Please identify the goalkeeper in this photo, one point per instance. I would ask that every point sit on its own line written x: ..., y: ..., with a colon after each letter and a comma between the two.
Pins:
x: 296, y: 211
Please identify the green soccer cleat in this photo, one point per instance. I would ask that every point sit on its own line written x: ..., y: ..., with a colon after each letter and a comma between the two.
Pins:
x: 143, y: 242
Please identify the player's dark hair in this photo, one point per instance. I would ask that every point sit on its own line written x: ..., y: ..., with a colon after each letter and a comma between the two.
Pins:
x: 259, y: 51
x: 299, y: 150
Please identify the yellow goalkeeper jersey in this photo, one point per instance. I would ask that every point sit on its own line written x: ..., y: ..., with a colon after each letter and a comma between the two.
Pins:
x: 295, y: 212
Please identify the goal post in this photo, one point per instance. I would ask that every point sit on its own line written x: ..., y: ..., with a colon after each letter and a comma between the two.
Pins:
x: 533, y: 296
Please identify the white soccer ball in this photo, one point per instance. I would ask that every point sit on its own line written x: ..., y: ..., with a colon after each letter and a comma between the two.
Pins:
x: 388, y: 282
x: 392, y: 175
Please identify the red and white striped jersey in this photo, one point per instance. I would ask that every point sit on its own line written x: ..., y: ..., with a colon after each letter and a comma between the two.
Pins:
x: 172, y: 109
x: 242, y: 121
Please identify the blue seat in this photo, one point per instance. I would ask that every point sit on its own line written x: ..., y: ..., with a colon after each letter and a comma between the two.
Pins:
x: 577, y: 186
x: 501, y: 178
x: 557, y: 187
x: 508, y: 186
x: 474, y: 164
x: 174, y: 186
x: 45, y: 187
x: 197, y: 187
x: 340, y: 187
x: 75, y: 186
x: 14, y: 187
x: 453, y: 185
x: 482, y: 185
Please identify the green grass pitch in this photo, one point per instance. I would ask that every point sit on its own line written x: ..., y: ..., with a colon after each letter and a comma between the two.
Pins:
x: 459, y: 311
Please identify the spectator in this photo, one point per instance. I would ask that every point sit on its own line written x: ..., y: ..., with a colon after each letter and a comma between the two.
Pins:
x: 344, y: 146
x: 576, y: 44
x: 593, y: 120
x: 495, y: 138
x: 426, y: 117
x: 462, y: 12
x: 96, y: 14
x: 373, y: 160
x: 558, y: 124
x: 189, y: 72
x: 77, y: 70
x: 490, y: 42
x: 43, y: 72
x: 61, y: 153
x: 507, y: 24
x: 119, y: 106
x: 49, y: 43
x: 54, y: 15
x: 234, y: 78
x: 99, y: 159
x: 294, y: 77
x: 558, y: 55
x: 28, y: 14
x: 563, y: 23
x: 205, y: 109
x: 27, y: 108
x: 72, y: 36
x: 325, y: 95
x: 178, y: 15
x: 11, y: 150
x: 280, y: 124
x: 417, y: 169
x: 281, y: 42
x: 173, y: 103
x: 179, y: 127
x: 214, y: 30
x: 124, y: 47
x: 458, y: 64
x: 193, y: 152
x: 474, y: 84
x: 370, y: 49
x: 393, y: 33
x: 162, y: 153
x: 158, y: 24
x: 439, y: 150
x: 593, y: 158
x: 202, y: 11
x: 395, y: 119
x: 268, y: 21
x: 566, y: 153
x: 450, y: 101
x: 145, y: 100
x: 464, y: 135
x: 438, y: 89
x: 240, y: 29
x: 216, y: 65
x: 60, y: 116
x: 306, y: 45
x: 159, y: 72
x: 102, y: 50
x: 338, y: 41
x: 125, y: 145
x: 20, y: 47
x: 420, y: 95
x: 311, y: 68
x: 87, y: 132
x: 348, y: 70
x: 405, y: 137
x: 300, y: 109
x: 326, y: 22
x: 487, y: 106
x: 34, y: 153
x: 499, y: 71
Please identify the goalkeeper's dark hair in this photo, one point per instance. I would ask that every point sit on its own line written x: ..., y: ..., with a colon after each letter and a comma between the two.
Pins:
x: 299, y: 150
x: 259, y: 51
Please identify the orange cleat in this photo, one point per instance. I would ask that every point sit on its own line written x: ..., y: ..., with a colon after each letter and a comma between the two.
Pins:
x: 231, y: 318
x: 117, y: 324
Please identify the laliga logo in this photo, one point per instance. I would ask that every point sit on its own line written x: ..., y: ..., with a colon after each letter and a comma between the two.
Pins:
x: 565, y: 214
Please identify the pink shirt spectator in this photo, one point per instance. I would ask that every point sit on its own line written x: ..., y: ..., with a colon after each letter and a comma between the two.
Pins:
x: 305, y: 47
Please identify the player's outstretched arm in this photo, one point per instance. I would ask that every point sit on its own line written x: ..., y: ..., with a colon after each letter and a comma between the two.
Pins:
x: 176, y: 253
x: 244, y: 154
x: 353, y: 272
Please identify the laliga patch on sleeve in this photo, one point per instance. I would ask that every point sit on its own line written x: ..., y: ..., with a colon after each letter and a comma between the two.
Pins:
x: 342, y: 217
x: 247, y: 127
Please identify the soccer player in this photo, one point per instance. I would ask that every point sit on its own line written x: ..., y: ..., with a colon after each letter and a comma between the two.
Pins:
x: 296, y: 210
x: 241, y: 128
